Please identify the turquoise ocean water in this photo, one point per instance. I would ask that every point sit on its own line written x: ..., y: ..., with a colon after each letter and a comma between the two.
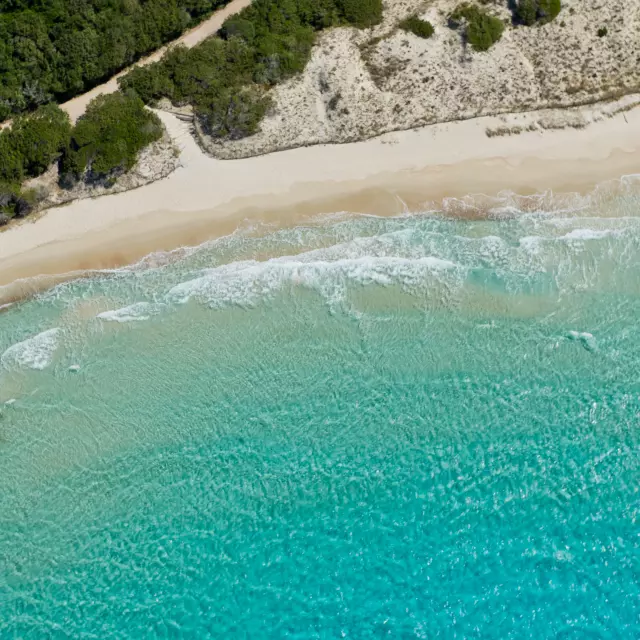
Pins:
x: 409, y: 427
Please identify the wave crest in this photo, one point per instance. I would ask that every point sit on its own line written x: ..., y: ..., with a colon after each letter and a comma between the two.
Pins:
x: 34, y: 353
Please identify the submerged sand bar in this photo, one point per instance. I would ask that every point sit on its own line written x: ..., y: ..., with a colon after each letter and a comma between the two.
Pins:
x: 206, y: 197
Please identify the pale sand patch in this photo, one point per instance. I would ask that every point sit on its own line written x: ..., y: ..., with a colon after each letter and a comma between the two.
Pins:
x: 206, y: 197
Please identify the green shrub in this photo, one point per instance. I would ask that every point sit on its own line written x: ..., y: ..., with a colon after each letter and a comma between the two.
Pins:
x: 238, y: 27
x: 548, y: 10
x: 530, y: 12
x: 9, y: 193
x: 361, y: 13
x: 108, y: 137
x: 32, y: 144
x: 55, y: 49
x: 482, y: 30
x: 15, y: 202
x: 527, y: 12
x: 224, y: 77
x: 40, y: 138
x: 233, y: 114
x: 11, y: 162
x: 420, y: 28
x: 602, y: 32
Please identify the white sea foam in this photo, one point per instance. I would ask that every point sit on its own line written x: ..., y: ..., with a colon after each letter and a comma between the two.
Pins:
x: 585, y: 338
x: 135, y: 312
x: 588, y: 234
x: 531, y: 243
x: 245, y: 283
x: 34, y: 353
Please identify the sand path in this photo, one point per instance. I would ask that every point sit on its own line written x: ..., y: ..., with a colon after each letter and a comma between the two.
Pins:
x: 76, y: 107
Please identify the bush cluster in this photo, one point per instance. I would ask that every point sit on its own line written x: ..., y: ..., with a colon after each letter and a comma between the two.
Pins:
x: 530, y: 12
x: 56, y: 49
x: 420, y: 28
x: 226, y: 79
x: 104, y: 143
x: 57, y: 52
x: 32, y: 143
x: 481, y: 29
x: 108, y: 137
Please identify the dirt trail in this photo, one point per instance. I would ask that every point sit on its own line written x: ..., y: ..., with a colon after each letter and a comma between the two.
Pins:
x: 76, y: 107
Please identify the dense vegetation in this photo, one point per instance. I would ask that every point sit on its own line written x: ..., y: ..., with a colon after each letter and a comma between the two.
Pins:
x: 56, y: 49
x: 107, y: 139
x: 530, y: 12
x: 103, y: 144
x: 60, y: 47
x: 32, y: 144
x: 420, y: 28
x: 226, y: 78
x: 481, y: 29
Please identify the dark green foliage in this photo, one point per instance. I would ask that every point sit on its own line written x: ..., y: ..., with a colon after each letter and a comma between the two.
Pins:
x: 530, y: 12
x: 108, y: 137
x: 32, y: 143
x: 481, y: 29
x: 548, y: 10
x: 225, y: 78
x: 527, y: 12
x: 40, y: 137
x: 105, y: 142
x: 234, y: 114
x: 9, y: 195
x: 602, y: 32
x: 361, y: 13
x: 420, y: 28
x: 55, y: 49
x: 15, y: 202
x: 238, y: 27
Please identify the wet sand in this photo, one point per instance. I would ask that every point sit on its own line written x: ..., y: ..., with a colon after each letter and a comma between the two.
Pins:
x: 412, y: 170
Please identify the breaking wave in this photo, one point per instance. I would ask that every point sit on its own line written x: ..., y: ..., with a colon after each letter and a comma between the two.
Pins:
x: 133, y: 313
x: 34, y: 353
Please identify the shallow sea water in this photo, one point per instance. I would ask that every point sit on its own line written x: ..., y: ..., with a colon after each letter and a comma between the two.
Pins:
x: 365, y: 427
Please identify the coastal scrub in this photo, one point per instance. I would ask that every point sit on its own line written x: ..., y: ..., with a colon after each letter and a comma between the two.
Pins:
x: 480, y: 29
x: 530, y: 12
x: 227, y: 78
x: 56, y: 49
x: 107, y: 139
x: 417, y: 26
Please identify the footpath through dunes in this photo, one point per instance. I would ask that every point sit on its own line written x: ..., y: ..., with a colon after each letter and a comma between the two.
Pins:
x: 77, y: 106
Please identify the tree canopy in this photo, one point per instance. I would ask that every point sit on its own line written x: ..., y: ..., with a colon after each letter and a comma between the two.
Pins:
x: 226, y: 78
x: 52, y: 50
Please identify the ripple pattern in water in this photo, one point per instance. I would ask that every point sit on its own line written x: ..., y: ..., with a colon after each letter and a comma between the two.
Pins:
x: 411, y: 428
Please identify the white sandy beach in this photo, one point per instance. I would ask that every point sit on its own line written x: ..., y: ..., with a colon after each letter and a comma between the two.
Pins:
x: 206, y: 197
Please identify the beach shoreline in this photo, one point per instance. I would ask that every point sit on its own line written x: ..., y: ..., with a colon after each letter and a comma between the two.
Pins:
x: 413, y: 170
